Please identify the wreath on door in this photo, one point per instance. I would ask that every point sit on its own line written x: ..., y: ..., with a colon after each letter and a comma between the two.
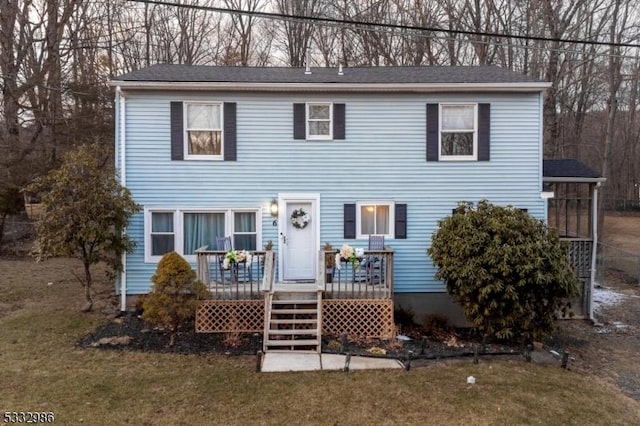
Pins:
x: 299, y: 219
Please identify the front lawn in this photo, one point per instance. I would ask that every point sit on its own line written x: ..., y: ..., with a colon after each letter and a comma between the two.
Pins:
x: 43, y: 370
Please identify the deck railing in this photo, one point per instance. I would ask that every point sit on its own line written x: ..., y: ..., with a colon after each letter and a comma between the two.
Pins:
x: 372, y: 278
x: 242, y: 280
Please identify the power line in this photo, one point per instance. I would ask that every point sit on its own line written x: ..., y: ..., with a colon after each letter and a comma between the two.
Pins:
x: 355, y: 23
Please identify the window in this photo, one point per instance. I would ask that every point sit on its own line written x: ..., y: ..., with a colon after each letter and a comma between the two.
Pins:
x: 203, y: 130
x: 374, y: 218
x: 244, y: 231
x: 162, y: 235
x: 319, y: 121
x: 186, y: 230
x: 201, y: 229
x: 458, y: 132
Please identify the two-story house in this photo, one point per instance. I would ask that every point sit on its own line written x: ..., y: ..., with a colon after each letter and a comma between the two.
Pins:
x: 340, y: 154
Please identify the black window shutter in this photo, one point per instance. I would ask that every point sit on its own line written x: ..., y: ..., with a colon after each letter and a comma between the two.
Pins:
x: 299, y: 121
x: 349, y: 221
x: 230, y: 139
x: 338, y: 121
x: 177, y: 131
x: 433, y: 124
x: 401, y: 222
x: 484, y: 130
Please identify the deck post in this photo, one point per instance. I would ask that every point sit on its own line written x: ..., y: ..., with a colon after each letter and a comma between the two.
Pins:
x: 321, y: 275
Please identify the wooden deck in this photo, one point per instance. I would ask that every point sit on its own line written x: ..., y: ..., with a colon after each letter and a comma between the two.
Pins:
x: 356, y: 301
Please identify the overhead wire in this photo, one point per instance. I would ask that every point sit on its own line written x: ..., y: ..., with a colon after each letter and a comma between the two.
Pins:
x: 352, y: 22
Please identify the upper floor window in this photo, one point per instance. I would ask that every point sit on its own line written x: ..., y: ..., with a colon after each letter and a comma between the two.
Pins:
x: 319, y: 121
x: 203, y: 131
x: 458, y: 132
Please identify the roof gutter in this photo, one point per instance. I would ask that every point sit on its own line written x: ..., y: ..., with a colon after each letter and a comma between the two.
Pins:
x: 336, y: 87
x: 574, y: 179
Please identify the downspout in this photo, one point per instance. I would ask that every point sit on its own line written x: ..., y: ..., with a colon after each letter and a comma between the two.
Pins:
x: 595, y: 248
x: 120, y: 149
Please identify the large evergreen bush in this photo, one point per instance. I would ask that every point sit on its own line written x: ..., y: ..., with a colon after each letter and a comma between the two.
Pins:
x: 508, y: 271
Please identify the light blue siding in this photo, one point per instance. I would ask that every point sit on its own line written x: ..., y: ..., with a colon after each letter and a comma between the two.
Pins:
x: 382, y: 158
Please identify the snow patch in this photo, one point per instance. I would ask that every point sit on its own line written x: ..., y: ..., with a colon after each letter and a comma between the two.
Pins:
x: 603, y: 296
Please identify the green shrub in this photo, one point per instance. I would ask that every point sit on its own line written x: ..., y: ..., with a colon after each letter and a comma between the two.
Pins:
x: 508, y: 271
x: 175, y: 295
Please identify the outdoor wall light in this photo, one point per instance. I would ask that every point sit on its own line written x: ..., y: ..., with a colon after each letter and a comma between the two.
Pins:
x: 274, y: 211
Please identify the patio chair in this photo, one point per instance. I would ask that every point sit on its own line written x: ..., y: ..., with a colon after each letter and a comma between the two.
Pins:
x: 376, y: 242
x: 374, y: 263
x: 223, y: 244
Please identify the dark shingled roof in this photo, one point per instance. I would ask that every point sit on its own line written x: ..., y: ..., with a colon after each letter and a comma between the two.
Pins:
x: 567, y: 167
x: 365, y: 75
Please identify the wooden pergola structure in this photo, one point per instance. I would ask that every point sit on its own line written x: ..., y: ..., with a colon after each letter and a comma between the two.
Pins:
x: 571, y: 191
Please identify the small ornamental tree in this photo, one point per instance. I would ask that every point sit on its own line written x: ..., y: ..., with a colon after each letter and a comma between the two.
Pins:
x: 506, y: 269
x: 85, y: 211
x: 175, y: 295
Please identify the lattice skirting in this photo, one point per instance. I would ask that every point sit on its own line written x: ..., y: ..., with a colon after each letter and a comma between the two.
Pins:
x: 222, y: 316
x: 359, y: 318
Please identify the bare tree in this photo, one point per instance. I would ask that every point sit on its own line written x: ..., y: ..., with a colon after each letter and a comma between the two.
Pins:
x: 298, y: 34
x: 241, y: 29
x: 618, y: 27
x: 32, y: 39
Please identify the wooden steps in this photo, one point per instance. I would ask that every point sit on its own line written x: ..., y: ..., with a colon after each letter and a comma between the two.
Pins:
x: 293, y: 322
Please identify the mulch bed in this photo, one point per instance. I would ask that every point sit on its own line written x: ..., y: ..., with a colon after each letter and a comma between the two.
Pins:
x: 130, y: 332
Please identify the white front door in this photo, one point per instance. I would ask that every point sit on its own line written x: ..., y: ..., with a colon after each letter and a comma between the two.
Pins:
x: 298, y: 244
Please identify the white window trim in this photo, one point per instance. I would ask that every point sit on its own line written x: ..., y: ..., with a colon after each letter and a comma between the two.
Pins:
x: 148, y: 257
x: 185, y: 136
x: 306, y: 122
x: 232, y: 225
x: 178, y: 227
x: 473, y: 157
x: 392, y: 218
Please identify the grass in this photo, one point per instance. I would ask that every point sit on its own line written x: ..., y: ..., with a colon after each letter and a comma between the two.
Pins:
x: 42, y: 370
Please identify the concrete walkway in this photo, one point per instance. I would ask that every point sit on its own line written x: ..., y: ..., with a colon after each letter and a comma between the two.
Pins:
x: 290, y: 361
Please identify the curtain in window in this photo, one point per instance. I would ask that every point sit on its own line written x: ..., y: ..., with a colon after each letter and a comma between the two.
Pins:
x: 201, y: 229
x: 162, y: 237
x: 367, y: 220
x: 245, y: 237
x: 319, y: 120
x: 203, y: 117
x: 203, y: 129
x: 382, y: 219
x: 457, y: 117
x: 321, y: 112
